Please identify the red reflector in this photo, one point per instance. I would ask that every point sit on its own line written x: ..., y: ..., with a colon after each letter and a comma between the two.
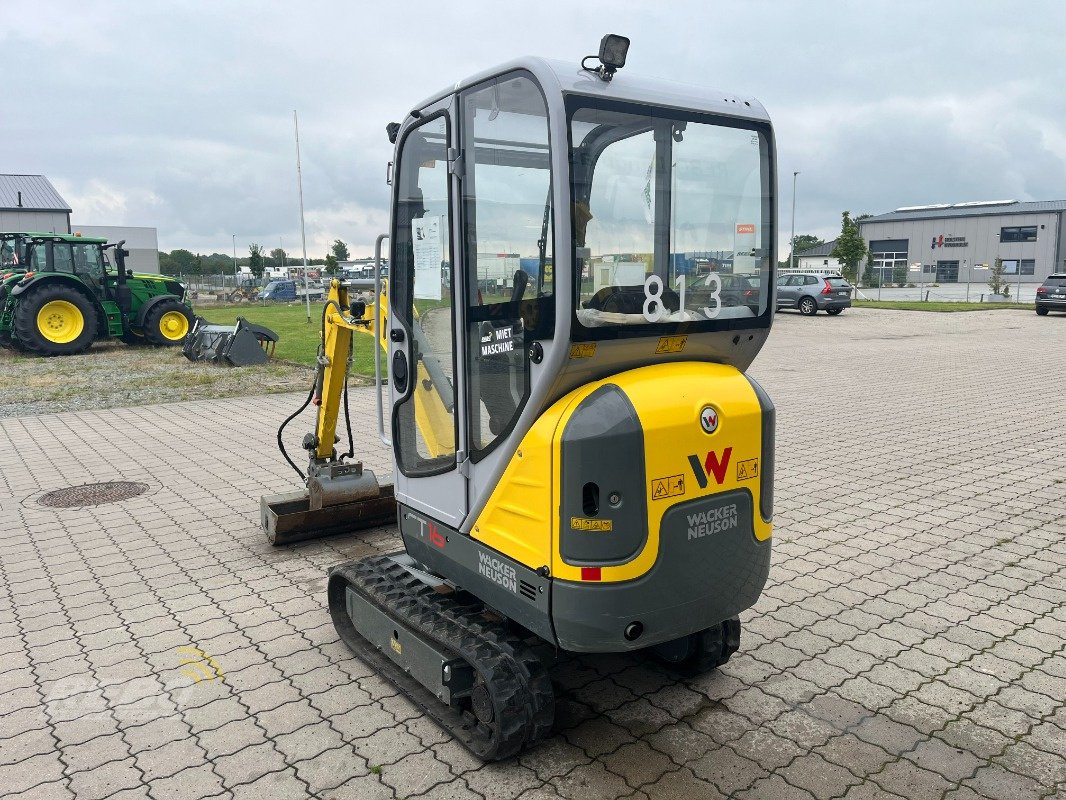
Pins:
x: 590, y: 573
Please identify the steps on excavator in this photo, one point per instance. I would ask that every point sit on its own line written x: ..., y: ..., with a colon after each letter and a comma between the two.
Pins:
x: 446, y: 651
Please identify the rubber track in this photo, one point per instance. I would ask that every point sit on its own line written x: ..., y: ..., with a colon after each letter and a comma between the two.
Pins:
x: 520, y: 688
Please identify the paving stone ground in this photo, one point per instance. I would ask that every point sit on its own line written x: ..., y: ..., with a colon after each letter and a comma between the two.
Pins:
x: 909, y: 643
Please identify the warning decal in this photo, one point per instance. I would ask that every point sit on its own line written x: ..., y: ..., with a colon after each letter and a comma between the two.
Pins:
x: 582, y: 524
x: 671, y: 486
x: 584, y: 350
x: 747, y: 470
x: 671, y: 344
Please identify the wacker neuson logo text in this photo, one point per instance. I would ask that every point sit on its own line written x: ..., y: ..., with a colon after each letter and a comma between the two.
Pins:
x: 717, y: 520
x: 497, y: 571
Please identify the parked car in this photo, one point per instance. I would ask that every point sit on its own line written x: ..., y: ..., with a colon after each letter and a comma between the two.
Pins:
x: 279, y: 290
x: 734, y: 290
x: 1051, y: 296
x: 291, y: 290
x: 811, y: 293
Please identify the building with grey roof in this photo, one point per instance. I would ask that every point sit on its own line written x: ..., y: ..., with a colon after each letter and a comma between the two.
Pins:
x: 31, y: 203
x: 959, y: 242
x: 818, y: 258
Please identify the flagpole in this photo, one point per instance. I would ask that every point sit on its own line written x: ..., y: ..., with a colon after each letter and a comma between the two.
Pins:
x: 303, y: 232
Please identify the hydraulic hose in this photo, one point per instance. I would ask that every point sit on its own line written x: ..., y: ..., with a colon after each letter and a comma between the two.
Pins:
x: 281, y: 429
x: 310, y: 397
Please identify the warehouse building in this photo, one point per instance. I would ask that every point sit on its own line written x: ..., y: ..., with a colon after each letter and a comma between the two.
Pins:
x: 142, y: 243
x: 31, y: 203
x: 959, y: 242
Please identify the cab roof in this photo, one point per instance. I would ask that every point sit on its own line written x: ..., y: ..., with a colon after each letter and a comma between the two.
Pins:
x: 64, y: 237
x: 559, y: 78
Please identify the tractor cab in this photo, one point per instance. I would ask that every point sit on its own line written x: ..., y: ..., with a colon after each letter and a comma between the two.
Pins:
x: 13, y: 252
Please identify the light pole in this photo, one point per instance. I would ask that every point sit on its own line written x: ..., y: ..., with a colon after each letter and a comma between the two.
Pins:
x: 234, y: 262
x: 792, y: 248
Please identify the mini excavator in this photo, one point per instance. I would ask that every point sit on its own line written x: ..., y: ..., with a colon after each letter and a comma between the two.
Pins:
x: 581, y: 463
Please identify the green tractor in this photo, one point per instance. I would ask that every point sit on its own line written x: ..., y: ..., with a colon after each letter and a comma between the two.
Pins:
x: 60, y: 293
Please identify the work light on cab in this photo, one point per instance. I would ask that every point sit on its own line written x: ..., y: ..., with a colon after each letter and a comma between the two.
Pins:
x: 612, y: 56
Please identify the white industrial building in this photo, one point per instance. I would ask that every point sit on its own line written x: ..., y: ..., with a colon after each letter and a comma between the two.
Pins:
x: 818, y: 258
x: 30, y: 203
x: 959, y: 242
x: 142, y: 243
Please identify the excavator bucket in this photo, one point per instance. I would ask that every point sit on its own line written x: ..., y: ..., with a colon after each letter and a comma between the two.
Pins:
x: 292, y: 517
x: 237, y: 345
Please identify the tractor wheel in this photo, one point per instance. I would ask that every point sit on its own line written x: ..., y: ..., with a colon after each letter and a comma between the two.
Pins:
x: 55, y: 320
x: 168, y: 323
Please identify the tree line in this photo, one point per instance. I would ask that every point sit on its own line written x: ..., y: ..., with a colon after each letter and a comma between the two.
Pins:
x: 258, y: 260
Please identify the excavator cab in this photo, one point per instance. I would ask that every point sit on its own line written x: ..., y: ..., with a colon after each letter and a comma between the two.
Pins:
x: 580, y: 459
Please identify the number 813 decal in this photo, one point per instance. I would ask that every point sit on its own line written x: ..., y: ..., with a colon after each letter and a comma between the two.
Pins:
x: 654, y: 309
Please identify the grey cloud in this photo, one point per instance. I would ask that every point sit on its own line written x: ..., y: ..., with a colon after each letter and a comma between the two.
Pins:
x: 179, y: 115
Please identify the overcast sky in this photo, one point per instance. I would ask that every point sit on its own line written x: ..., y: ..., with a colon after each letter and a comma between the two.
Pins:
x: 178, y: 115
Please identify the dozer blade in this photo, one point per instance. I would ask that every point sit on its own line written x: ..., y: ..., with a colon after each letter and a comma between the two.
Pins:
x: 237, y: 345
x: 288, y: 517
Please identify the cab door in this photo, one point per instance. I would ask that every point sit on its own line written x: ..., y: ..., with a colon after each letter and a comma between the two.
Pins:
x: 425, y: 365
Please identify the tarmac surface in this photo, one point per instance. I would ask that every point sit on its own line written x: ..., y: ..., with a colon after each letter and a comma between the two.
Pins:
x: 909, y: 643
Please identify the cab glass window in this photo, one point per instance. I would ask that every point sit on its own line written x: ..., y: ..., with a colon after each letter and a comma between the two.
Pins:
x: 425, y: 428
x: 507, y: 225
x: 665, y: 204
x: 88, y: 260
x: 64, y: 259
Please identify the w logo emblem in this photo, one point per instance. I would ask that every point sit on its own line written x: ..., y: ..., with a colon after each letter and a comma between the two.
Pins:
x: 712, y: 465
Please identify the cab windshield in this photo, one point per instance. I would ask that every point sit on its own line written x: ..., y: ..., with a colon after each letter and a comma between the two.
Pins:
x: 672, y: 220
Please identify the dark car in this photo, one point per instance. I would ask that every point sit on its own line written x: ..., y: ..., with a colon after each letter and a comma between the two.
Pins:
x: 1051, y: 296
x: 741, y: 290
x: 279, y: 290
x: 734, y: 290
x: 811, y: 292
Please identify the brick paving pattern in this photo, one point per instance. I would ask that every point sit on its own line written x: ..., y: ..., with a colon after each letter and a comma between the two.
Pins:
x: 909, y: 643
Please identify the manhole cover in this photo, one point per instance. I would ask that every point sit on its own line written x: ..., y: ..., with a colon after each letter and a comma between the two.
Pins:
x: 92, y: 494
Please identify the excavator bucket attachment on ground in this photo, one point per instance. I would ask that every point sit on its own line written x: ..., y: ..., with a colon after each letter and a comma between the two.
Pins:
x: 289, y: 517
x: 237, y: 345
